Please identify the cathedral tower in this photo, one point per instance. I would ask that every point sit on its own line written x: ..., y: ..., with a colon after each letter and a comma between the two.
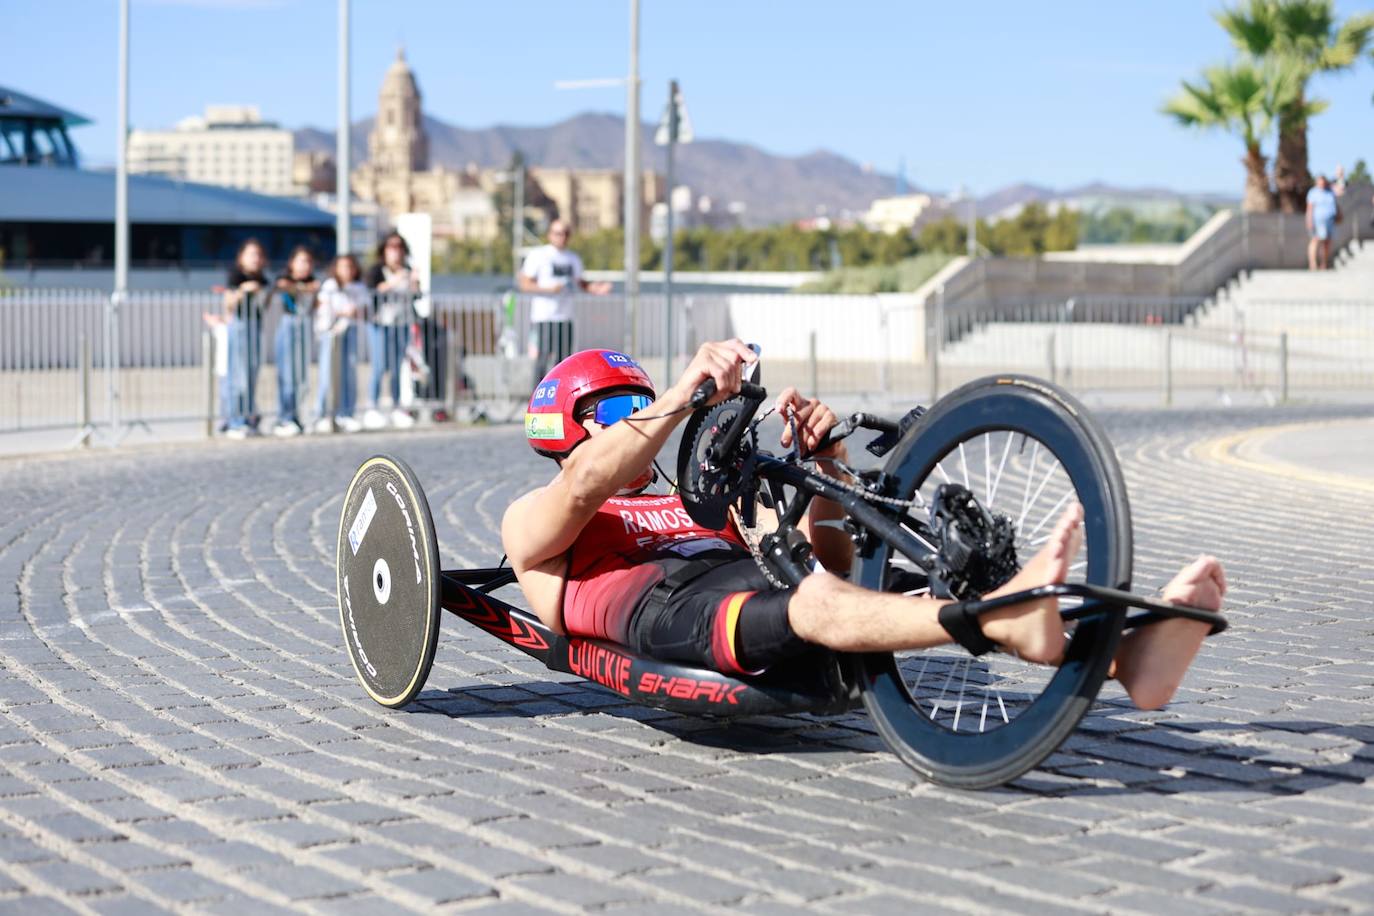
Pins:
x: 398, y: 144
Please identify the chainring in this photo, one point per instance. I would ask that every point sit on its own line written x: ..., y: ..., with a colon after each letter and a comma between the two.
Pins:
x: 708, y: 490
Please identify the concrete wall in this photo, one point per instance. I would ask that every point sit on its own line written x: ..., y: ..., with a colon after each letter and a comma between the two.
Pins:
x: 873, y: 328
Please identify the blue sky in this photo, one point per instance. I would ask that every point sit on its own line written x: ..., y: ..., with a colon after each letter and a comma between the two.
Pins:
x: 980, y: 92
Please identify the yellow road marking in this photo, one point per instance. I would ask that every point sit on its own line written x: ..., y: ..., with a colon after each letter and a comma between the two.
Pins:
x: 1222, y: 450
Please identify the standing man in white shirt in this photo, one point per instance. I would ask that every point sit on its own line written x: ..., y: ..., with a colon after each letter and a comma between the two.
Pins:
x: 552, y: 273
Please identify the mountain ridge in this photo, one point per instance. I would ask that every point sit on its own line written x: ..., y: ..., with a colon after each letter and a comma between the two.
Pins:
x: 773, y: 187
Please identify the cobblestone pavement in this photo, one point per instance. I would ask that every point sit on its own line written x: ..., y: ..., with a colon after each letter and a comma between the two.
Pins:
x: 180, y: 728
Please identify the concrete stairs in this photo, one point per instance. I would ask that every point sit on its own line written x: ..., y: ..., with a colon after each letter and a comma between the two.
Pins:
x: 1328, y: 317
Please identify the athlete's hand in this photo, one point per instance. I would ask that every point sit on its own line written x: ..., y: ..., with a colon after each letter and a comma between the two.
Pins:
x: 814, y: 420
x: 719, y: 360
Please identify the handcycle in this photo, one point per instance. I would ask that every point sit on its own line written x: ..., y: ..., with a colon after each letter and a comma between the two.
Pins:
x: 966, y: 488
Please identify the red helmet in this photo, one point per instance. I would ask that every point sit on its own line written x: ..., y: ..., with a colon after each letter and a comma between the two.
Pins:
x: 551, y: 425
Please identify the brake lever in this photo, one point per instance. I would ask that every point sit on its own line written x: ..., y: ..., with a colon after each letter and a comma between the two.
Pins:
x: 841, y: 430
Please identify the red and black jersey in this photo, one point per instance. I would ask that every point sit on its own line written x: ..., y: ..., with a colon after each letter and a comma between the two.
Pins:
x: 620, y: 555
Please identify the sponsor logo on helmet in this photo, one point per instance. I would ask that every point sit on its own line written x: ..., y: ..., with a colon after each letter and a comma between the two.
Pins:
x: 618, y: 360
x: 545, y: 394
x: 543, y: 426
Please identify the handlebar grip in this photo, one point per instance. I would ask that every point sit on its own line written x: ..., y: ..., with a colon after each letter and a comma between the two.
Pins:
x: 708, y: 388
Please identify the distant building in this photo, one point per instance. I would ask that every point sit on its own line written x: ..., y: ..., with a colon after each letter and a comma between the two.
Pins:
x: 397, y: 174
x: 34, y: 132
x: 472, y: 215
x: 55, y: 214
x: 692, y: 211
x: 230, y: 146
x: 313, y: 173
x: 896, y: 214
x: 594, y: 199
x: 400, y: 177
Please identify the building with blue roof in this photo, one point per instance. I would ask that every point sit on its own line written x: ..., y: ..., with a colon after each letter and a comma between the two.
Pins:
x: 53, y: 213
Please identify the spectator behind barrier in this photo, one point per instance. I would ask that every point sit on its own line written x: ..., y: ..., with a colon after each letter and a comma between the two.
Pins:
x: 243, y: 305
x: 553, y: 273
x: 394, y: 288
x: 1323, y: 213
x: 342, y: 300
x: 295, y: 290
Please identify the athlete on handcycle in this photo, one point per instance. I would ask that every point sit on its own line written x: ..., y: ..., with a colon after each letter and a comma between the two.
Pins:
x: 596, y: 556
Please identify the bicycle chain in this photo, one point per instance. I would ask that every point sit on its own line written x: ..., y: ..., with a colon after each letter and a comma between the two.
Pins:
x: 752, y: 539
x: 864, y: 492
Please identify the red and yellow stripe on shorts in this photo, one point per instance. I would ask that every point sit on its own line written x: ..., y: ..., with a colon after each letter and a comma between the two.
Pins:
x: 723, y: 633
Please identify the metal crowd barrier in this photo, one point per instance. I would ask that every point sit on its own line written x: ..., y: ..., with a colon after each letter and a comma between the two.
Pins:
x: 72, y: 364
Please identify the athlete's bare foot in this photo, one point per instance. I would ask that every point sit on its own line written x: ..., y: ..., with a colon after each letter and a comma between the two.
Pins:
x: 1033, y: 629
x: 1152, y: 659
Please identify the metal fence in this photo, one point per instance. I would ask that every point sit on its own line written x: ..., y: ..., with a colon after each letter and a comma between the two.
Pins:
x: 1276, y: 349
x: 75, y: 360
x: 70, y: 361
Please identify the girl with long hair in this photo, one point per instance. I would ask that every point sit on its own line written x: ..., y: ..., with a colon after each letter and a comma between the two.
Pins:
x: 342, y: 301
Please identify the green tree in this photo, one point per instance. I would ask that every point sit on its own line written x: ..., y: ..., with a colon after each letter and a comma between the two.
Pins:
x: 946, y: 234
x: 1024, y: 235
x: 1359, y: 174
x: 1122, y: 225
x: 1062, y: 232
x: 1306, y: 37
x: 1243, y: 98
x: 470, y: 257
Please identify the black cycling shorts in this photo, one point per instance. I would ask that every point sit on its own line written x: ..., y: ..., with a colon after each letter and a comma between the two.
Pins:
x: 730, y: 619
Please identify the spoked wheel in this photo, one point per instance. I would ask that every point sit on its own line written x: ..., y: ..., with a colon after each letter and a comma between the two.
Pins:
x: 388, y: 580
x: 1026, y: 450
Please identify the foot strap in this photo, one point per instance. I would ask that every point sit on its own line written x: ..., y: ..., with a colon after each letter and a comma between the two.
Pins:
x: 961, y: 623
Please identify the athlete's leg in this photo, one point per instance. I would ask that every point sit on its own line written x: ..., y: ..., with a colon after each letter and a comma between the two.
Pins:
x: 833, y: 613
x: 1151, y: 660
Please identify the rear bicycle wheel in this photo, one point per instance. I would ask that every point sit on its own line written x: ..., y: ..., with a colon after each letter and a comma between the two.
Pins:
x: 1026, y: 450
x: 387, y: 568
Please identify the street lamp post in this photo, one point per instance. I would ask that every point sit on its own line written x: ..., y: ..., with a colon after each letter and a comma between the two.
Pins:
x: 120, y: 293
x: 517, y: 221
x: 343, y: 221
x: 668, y: 241
x: 632, y: 184
x: 633, y: 191
x: 675, y: 128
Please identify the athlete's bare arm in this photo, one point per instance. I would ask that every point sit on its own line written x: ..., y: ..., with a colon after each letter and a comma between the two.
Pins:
x: 814, y: 420
x: 540, y: 527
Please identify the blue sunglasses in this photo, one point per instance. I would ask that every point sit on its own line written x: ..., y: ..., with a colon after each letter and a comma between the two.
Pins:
x: 617, y: 407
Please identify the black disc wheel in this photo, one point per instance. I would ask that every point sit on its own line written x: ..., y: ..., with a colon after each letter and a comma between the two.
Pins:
x: 1027, y: 451
x: 388, y: 580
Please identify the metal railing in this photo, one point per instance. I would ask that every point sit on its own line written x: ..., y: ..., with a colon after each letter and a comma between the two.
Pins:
x: 1277, y: 350
x: 72, y: 363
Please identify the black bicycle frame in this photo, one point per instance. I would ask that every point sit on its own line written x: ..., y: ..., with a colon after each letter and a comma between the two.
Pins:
x: 816, y: 683
x: 1096, y: 598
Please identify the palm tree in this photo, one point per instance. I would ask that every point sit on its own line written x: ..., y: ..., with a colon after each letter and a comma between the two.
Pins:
x: 1307, y: 35
x: 1245, y: 98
